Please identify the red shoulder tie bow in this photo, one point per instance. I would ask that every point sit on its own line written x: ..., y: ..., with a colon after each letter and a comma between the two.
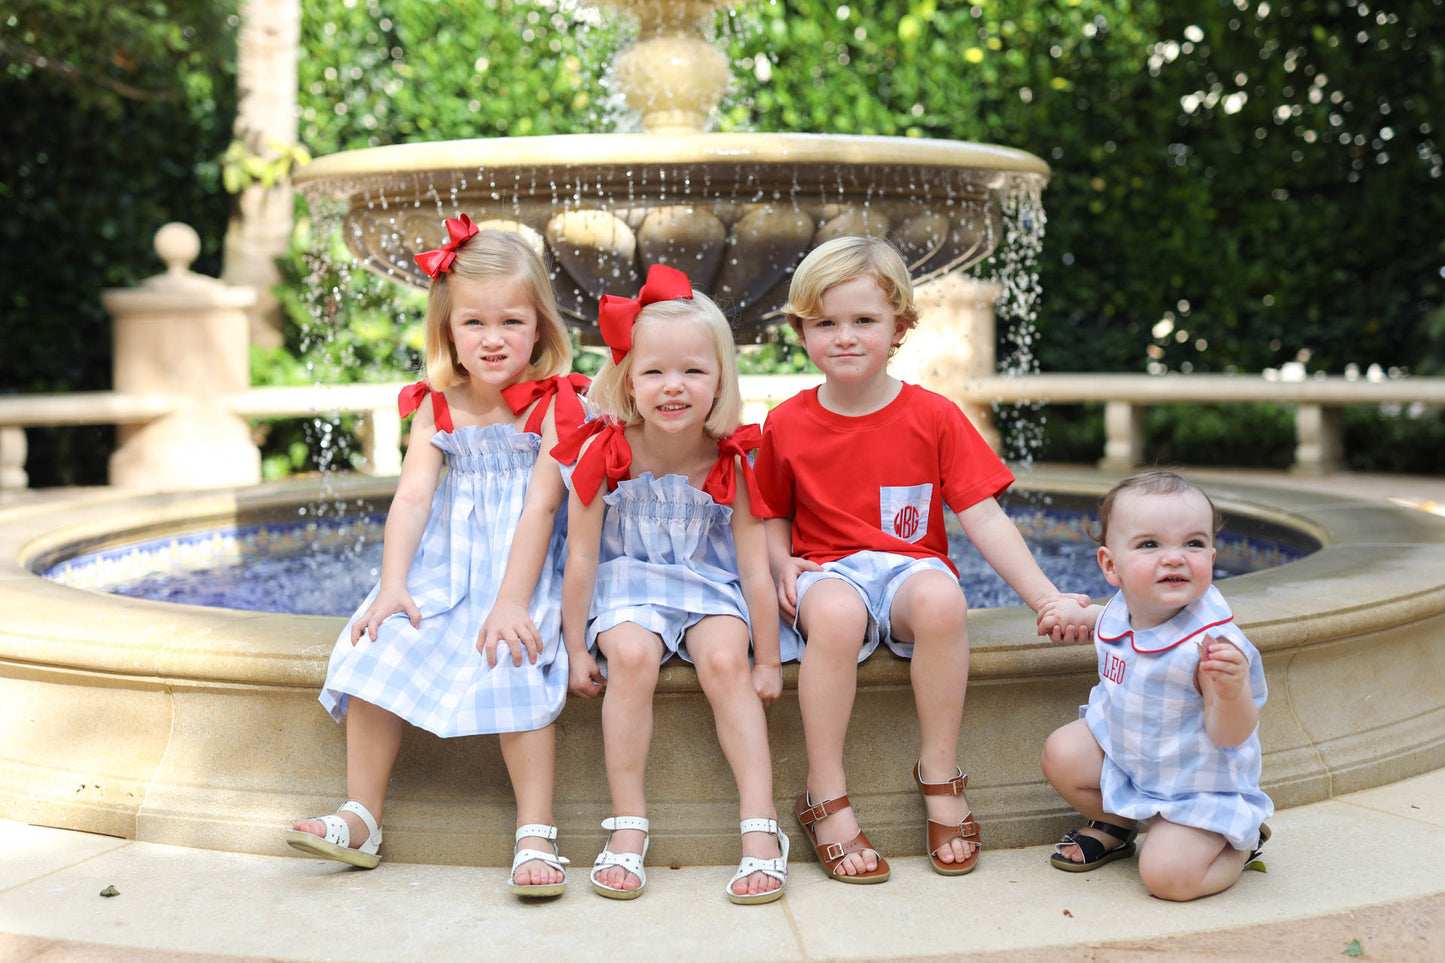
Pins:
x: 440, y: 260
x: 615, y: 314
x: 721, y: 482
x: 410, y: 400
x: 565, y: 388
x: 609, y: 458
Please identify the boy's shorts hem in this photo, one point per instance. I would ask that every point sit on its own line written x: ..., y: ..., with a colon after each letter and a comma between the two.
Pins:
x: 876, y: 577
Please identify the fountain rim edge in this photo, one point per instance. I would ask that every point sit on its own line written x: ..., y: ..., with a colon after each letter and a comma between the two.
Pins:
x: 718, y: 149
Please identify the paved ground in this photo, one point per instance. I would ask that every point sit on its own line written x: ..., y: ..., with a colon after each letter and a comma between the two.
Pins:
x: 1384, y: 888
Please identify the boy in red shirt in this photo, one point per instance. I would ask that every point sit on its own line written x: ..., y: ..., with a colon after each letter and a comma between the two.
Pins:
x: 856, y: 473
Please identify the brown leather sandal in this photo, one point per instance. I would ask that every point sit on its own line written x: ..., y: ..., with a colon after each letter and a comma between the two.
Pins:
x: 941, y: 833
x: 831, y: 854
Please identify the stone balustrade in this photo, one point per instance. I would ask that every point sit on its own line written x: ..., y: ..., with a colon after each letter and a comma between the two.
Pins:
x: 1318, y: 403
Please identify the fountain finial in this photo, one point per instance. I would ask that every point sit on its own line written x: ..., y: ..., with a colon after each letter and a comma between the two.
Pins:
x: 672, y: 75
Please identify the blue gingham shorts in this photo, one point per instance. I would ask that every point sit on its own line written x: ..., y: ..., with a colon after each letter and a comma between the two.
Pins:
x: 876, y: 577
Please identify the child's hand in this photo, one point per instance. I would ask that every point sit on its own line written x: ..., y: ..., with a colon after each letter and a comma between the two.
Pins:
x: 786, y: 576
x: 584, y: 678
x: 1223, y: 670
x: 509, y: 624
x: 768, y: 682
x: 388, y: 602
x: 1067, y: 618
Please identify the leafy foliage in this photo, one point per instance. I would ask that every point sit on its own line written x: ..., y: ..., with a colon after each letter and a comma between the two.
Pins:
x: 114, y: 117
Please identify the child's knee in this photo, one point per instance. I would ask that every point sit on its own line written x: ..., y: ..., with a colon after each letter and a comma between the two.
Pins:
x: 631, y: 658
x: 721, y: 662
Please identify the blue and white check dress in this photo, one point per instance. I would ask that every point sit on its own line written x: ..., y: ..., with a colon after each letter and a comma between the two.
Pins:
x: 433, y: 676
x: 666, y: 561
x: 1149, y: 719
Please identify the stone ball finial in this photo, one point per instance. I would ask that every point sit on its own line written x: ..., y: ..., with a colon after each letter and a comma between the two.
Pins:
x: 178, y: 246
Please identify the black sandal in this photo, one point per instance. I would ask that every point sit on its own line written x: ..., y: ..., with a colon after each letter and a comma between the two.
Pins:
x: 1258, y: 850
x: 1094, y: 853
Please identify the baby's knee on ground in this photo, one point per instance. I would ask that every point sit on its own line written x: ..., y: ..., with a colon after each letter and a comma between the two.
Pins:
x: 1171, y: 875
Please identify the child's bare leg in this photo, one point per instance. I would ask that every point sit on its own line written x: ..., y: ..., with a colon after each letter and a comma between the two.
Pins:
x: 373, y: 738
x: 1073, y: 762
x: 833, y: 619
x: 931, y: 612
x: 531, y: 759
x: 633, y: 656
x: 719, y: 648
x: 1183, y: 863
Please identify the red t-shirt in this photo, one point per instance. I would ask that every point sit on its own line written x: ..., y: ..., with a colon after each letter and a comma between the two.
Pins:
x: 876, y: 482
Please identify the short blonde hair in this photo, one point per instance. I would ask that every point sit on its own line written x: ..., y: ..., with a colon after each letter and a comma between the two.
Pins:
x: 493, y: 253
x: 609, y: 391
x: 1151, y: 483
x: 844, y: 259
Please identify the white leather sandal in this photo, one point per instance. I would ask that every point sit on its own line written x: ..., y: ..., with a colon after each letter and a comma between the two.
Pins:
x: 336, y: 844
x: 632, y: 862
x: 552, y: 859
x: 777, y: 868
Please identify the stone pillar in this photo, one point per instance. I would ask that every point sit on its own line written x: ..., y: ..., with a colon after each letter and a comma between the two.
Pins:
x: 953, y: 343
x: 184, y: 335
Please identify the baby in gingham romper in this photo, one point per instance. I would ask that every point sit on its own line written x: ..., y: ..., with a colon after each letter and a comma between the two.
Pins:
x: 1170, y: 733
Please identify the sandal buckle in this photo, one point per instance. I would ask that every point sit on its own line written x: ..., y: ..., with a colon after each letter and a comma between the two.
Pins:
x: 832, y: 851
x: 814, y: 813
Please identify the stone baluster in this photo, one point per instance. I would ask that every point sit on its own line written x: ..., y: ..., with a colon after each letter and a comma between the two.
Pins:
x: 184, y: 335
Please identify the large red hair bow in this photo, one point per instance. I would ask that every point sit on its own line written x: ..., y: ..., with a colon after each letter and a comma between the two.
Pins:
x: 440, y: 260
x: 565, y: 388
x: 616, y: 314
x: 722, y: 481
x: 609, y: 459
x: 410, y: 400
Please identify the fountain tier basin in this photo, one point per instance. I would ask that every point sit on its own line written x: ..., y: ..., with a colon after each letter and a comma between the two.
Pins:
x: 195, y: 726
x: 735, y: 211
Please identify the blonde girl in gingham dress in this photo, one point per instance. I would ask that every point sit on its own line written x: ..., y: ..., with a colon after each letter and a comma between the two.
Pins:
x: 664, y: 556
x: 462, y: 634
x: 1170, y: 734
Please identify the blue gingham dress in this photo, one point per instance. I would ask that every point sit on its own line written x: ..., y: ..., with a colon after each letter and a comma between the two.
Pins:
x: 666, y: 561
x: 1149, y: 720
x: 433, y: 676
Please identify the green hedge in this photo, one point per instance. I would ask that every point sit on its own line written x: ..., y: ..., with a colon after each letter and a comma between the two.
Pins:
x: 114, y: 117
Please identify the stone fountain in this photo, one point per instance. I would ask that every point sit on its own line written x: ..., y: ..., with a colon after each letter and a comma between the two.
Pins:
x: 200, y: 726
x: 736, y: 211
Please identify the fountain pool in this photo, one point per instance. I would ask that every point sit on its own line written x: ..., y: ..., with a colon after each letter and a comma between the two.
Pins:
x: 298, y: 564
x: 199, y: 726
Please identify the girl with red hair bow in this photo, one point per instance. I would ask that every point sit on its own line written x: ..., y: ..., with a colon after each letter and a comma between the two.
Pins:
x: 666, y: 555
x: 462, y: 634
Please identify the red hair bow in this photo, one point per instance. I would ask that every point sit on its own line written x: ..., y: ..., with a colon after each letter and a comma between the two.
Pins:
x: 616, y: 314
x: 609, y: 459
x: 440, y: 260
x: 565, y: 388
x: 410, y: 400
x: 722, y: 481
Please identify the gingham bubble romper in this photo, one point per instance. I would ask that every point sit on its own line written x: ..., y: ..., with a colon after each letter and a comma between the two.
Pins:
x: 1149, y: 719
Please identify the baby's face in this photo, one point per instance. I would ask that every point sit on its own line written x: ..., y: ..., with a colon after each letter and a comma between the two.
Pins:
x: 1160, y: 553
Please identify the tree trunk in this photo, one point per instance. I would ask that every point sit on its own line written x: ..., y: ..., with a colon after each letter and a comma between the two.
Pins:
x: 260, y: 227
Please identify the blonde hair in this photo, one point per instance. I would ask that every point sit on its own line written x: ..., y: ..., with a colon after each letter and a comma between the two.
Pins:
x: 844, y: 259
x: 1151, y: 483
x: 609, y: 391
x: 494, y: 254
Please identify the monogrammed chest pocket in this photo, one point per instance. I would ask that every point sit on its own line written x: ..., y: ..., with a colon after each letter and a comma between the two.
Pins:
x: 903, y: 510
